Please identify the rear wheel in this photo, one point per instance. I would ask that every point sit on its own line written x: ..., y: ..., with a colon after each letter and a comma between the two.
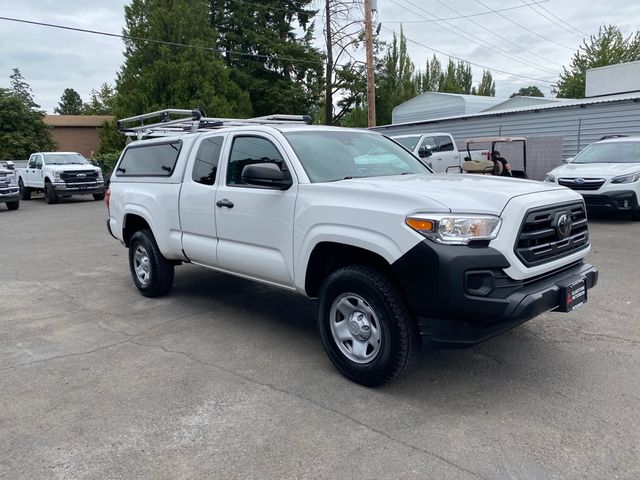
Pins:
x: 13, y: 205
x: 25, y: 192
x: 50, y: 195
x: 151, y: 272
x: 365, y: 326
x: 98, y: 196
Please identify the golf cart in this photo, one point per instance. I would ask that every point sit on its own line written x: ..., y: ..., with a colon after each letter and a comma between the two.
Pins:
x: 488, y: 166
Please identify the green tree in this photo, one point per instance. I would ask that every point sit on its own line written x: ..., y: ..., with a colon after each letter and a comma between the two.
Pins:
x: 530, y: 91
x: 22, y: 89
x: 100, y: 101
x: 609, y: 47
x: 22, y: 127
x: 457, y: 78
x: 396, y: 81
x: 158, y: 76
x: 269, y: 52
x: 429, y: 80
x: 70, y: 103
x: 487, y: 85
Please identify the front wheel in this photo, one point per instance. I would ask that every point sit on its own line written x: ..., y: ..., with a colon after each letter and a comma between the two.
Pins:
x: 50, y: 195
x: 151, y: 272
x: 365, y: 326
x: 98, y: 196
x: 25, y: 192
x: 13, y: 205
x: 635, y: 214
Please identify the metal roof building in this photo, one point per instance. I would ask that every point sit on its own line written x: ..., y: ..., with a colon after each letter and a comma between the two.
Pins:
x: 436, y: 104
x: 578, y: 122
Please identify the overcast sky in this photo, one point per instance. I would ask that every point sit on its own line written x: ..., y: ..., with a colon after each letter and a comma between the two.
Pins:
x: 531, y: 41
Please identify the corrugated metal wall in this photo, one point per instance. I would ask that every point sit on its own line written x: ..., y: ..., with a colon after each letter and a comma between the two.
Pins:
x: 577, y: 125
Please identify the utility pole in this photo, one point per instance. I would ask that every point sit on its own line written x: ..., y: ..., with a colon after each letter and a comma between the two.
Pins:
x: 328, y: 96
x: 368, y: 40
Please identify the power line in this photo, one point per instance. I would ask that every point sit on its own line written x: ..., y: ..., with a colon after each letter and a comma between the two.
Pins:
x: 470, y: 62
x: 523, y: 27
x: 479, y: 14
x: 486, y: 45
x: 164, y: 42
x: 580, y: 32
x: 497, y: 34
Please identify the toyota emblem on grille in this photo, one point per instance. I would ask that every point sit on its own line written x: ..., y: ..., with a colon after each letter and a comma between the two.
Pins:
x: 562, y: 223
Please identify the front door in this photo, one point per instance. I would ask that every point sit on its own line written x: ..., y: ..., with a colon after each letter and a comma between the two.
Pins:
x: 447, y: 153
x: 255, y: 225
x: 197, y: 203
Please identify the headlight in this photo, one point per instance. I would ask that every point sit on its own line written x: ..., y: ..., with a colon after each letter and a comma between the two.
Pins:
x: 12, y: 179
x: 56, y: 175
x: 455, y: 229
x: 549, y: 178
x: 630, y: 178
x: 99, y: 174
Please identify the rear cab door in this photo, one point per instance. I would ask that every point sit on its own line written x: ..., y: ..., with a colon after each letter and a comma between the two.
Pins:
x: 198, y: 199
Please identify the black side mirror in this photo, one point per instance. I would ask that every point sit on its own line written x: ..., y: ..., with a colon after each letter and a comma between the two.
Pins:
x: 266, y: 175
x: 424, y: 152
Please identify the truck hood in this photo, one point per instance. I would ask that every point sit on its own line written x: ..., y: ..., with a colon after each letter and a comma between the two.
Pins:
x: 458, y: 193
x: 600, y: 170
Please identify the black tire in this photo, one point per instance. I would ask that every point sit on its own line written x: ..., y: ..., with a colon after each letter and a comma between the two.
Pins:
x: 50, y: 195
x: 397, y: 337
x: 635, y: 214
x: 160, y: 271
x: 25, y: 192
x: 13, y: 205
x: 98, y: 196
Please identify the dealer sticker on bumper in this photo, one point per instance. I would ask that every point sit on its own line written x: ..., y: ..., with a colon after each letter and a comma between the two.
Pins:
x: 573, y: 296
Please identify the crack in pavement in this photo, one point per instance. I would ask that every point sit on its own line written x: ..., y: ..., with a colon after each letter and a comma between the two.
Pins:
x: 313, y: 402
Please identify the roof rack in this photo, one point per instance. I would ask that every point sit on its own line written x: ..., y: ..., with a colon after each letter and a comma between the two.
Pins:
x: 173, y: 121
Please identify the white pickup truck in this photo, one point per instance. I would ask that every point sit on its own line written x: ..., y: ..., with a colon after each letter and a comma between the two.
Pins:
x: 60, y: 174
x: 393, y: 252
x: 9, y: 187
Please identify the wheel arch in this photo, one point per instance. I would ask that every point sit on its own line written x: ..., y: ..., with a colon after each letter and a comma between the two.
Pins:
x: 329, y: 256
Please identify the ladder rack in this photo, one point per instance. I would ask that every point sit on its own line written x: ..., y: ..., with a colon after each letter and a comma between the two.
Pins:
x: 173, y: 121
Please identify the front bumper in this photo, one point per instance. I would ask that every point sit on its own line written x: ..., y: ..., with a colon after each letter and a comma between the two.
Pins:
x: 78, y: 189
x: 623, y: 200
x: 453, y: 312
x: 9, y: 194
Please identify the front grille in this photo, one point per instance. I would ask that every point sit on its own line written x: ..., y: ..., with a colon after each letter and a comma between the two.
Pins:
x: 81, y: 176
x: 540, y: 241
x: 582, y: 183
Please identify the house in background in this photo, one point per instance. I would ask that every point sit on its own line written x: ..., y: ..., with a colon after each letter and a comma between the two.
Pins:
x: 77, y: 133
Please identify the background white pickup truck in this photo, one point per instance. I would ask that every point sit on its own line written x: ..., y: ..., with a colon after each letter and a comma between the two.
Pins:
x: 60, y: 174
x: 9, y: 188
x: 393, y: 251
x: 439, y: 150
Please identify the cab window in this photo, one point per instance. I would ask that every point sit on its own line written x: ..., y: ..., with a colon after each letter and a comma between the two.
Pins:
x: 207, y: 159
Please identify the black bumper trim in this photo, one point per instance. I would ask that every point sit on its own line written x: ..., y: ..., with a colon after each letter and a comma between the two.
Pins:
x: 609, y: 202
x: 433, y: 276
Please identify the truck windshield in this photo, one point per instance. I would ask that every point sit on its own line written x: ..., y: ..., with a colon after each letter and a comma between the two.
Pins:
x: 614, y: 152
x: 65, y: 159
x: 330, y: 155
x: 408, y: 142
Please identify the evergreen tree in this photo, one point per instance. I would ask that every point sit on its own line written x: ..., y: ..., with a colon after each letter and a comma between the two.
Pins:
x: 22, y: 127
x: 70, y: 103
x: 100, y: 102
x: 530, y: 91
x: 429, y: 81
x: 21, y: 88
x: 396, y: 82
x: 158, y: 76
x: 270, y: 53
x: 609, y: 47
x: 457, y: 78
x: 487, y: 85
